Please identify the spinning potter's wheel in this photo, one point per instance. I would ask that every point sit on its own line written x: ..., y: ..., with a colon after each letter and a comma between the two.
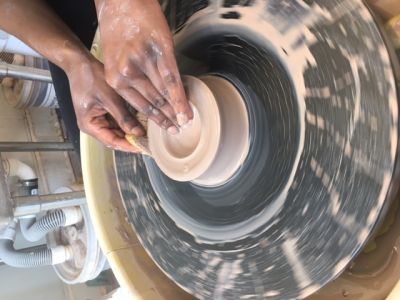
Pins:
x: 313, y: 176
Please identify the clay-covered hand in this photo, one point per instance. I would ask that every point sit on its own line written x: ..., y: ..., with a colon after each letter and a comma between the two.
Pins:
x: 139, y: 60
x: 100, y: 111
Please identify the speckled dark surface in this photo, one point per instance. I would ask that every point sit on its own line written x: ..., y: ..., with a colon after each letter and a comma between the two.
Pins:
x: 322, y: 99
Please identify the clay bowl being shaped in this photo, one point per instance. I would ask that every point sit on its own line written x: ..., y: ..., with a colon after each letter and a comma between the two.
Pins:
x: 188, y: 154
x: 209, y: 149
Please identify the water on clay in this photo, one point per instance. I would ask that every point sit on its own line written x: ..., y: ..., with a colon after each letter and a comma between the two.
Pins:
x: 321, y: 100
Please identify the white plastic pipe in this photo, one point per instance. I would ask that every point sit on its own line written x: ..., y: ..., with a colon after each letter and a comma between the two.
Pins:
x: 42, y: 256
x: 17, y: 168
x: 36, y: 229
x: 9, y: 43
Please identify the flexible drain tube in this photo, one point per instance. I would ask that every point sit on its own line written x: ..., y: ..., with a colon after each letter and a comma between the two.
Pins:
x: 34, y: 231
x: 42, y: 256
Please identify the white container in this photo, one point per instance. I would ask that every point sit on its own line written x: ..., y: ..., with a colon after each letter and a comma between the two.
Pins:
x: 9, y: 43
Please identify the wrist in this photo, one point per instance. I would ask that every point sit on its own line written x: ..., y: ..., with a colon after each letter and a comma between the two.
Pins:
x: 72, y: 58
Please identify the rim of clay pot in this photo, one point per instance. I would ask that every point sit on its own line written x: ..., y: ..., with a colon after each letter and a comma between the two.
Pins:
x: 234, y: 142
x: 188, y: 154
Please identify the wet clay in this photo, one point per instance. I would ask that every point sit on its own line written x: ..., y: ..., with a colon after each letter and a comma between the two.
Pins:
x: 211, y: 148
x: 187, y: 140
x: 188, y: 154
x: 234, y: 144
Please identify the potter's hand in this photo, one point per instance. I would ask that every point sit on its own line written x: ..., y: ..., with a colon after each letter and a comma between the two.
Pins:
x: 139, y: 60
x: 100, y: 111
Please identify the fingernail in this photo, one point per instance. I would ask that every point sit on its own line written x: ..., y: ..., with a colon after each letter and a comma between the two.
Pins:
x: 182, y: 119
x: 156, y: 112
x: 188, y: 124
x: 137, y: 131
x: 173, y: 130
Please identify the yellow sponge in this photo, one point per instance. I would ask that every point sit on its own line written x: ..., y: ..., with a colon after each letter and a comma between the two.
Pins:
x: 142, y: 143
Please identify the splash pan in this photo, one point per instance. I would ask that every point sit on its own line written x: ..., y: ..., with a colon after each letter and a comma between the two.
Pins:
x: 320, y: 93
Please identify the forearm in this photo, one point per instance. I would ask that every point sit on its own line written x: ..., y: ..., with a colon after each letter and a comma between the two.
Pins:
x: 37, y: 25
x: 99, y: 4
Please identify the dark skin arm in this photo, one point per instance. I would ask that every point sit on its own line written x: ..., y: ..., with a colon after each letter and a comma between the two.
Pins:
x: 94, y: 100
x: 139, y: 60
x: 100, y: 111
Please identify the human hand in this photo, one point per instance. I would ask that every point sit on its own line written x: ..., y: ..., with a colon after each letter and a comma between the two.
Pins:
x: 100, y: 111
x: 139, y: 60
